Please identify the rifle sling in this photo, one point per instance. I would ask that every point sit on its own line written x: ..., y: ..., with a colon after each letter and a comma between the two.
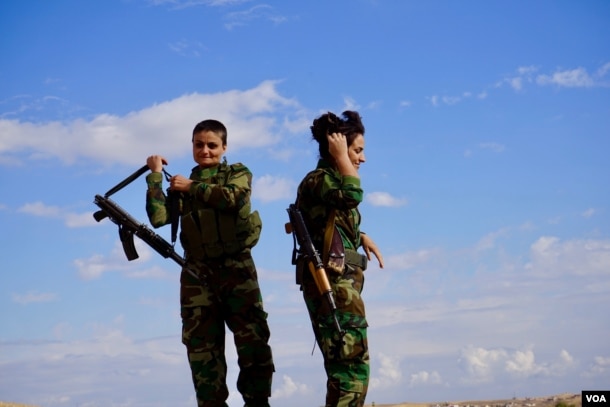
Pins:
x: 352, y: 257
x: 328, y: 235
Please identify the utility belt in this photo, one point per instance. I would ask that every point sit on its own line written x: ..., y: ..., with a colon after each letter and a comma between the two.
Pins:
x: 353, y: 258
x: 350, y: 258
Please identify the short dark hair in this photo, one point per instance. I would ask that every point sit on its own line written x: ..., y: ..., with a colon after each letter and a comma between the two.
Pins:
x: 350, y: 125
x: 214, y: 126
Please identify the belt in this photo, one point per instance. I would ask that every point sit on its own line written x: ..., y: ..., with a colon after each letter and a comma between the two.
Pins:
x: 354, y: 258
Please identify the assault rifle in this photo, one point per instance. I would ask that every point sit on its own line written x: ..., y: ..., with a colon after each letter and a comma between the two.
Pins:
x: 299, y: 230
x: 129, y: 226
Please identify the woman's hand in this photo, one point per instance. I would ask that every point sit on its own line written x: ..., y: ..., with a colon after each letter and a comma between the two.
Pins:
x: 370, y: 247
x: 180, y: 183
x: 156, y: 163
x: 337, y: 145
x: 339, y: 151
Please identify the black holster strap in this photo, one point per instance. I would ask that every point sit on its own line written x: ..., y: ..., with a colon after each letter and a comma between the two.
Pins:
x: 354, y: 258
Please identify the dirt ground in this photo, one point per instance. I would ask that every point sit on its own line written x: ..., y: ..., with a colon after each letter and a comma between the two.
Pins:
x: 569, y: 399
x: 551, y: 401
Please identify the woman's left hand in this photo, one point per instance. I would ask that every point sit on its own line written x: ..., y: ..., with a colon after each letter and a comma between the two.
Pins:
x: 369, y: 247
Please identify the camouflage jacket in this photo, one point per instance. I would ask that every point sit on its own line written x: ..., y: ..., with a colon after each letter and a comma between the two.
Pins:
x: 324, y: 189
x: 223, y: 189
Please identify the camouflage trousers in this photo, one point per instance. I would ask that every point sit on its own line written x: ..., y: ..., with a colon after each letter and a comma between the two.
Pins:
x: 227, y: 293
x: 346, y: 360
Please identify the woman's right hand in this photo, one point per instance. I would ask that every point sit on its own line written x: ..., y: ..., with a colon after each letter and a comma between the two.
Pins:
x: 156, y: 163
x: 339, y: 151
x: 337, y: 145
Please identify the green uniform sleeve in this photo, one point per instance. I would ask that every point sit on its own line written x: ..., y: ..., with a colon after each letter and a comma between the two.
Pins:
x: 156, y: 200
x: 324, y: 189
x: 341, y: 192
x: 231, y: 196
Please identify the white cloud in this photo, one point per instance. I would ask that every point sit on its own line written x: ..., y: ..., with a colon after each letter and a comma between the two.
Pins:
x: 258, y: 12
x: 180, y: 4
x: 489, y: 241
x: 410, y: 259
x: 40, y: 209
x: 569, y: 78
x: 425, y: 378
x: 384, y: 199
x: 527, y: 70
x: 485, y: 365
x: 551, y: 256
x: 516, y: 83
x: 480, y: 364
x: 271, y: 188
x: 601, y: 72
x: 34, y: 297
x: 599, y: 367
x: 495, y: 147
x: 72, y: 220
x: 96, y: 265
x: 350, y: 103
x: 250, y: 117
x: 388, y: 374
x: 289, y: 388
x: 522, y: 363
x: 187, y: 48
x: 574, y: 78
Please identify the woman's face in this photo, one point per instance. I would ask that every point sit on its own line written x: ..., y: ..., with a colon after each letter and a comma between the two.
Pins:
x: 355, y: 151
x: 208, y: 149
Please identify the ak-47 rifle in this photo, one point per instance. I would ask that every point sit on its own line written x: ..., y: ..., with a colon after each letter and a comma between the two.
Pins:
x: 299, y: 230
x: 129, y: 226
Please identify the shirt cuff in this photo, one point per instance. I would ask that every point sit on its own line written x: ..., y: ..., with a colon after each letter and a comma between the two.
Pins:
x: 350, y: 179
x: 154, y: 179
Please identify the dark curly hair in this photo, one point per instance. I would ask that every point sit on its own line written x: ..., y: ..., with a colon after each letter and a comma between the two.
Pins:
x: 350, y: 124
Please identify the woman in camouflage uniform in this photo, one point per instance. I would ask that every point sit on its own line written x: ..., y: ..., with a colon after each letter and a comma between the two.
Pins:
x: 332, y: 191
x: 217, y: 232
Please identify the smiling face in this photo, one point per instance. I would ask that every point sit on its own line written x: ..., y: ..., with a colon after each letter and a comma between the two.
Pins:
x: 355, y: 151
x: 208, y: 149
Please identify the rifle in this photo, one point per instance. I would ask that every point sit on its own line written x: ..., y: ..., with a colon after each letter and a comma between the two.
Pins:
x: 299, y: 230
x: 129, y: 226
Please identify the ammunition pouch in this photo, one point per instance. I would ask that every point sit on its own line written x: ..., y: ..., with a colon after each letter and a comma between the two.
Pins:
x: 335, y: 251
x: 215, y: 233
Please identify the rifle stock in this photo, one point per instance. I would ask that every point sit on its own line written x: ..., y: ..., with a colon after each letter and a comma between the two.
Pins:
x: 314, y: 261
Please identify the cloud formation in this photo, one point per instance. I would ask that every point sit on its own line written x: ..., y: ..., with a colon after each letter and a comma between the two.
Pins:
x: 379, y: 198
x: 110, y: 139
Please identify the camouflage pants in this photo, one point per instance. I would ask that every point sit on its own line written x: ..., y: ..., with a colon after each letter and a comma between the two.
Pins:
x: 229, y: 295
x: 346, y: 360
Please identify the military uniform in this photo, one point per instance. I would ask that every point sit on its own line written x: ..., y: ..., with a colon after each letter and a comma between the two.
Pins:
x: 217, y: 232
x: 346, y: 359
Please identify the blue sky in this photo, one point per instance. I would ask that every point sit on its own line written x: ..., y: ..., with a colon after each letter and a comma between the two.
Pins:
x: 486, y: 187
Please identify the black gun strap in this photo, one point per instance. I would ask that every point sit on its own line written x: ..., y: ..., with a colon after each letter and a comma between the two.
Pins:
x: 174, y: 213
x: 126, y: 181
x: 174, y: 207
